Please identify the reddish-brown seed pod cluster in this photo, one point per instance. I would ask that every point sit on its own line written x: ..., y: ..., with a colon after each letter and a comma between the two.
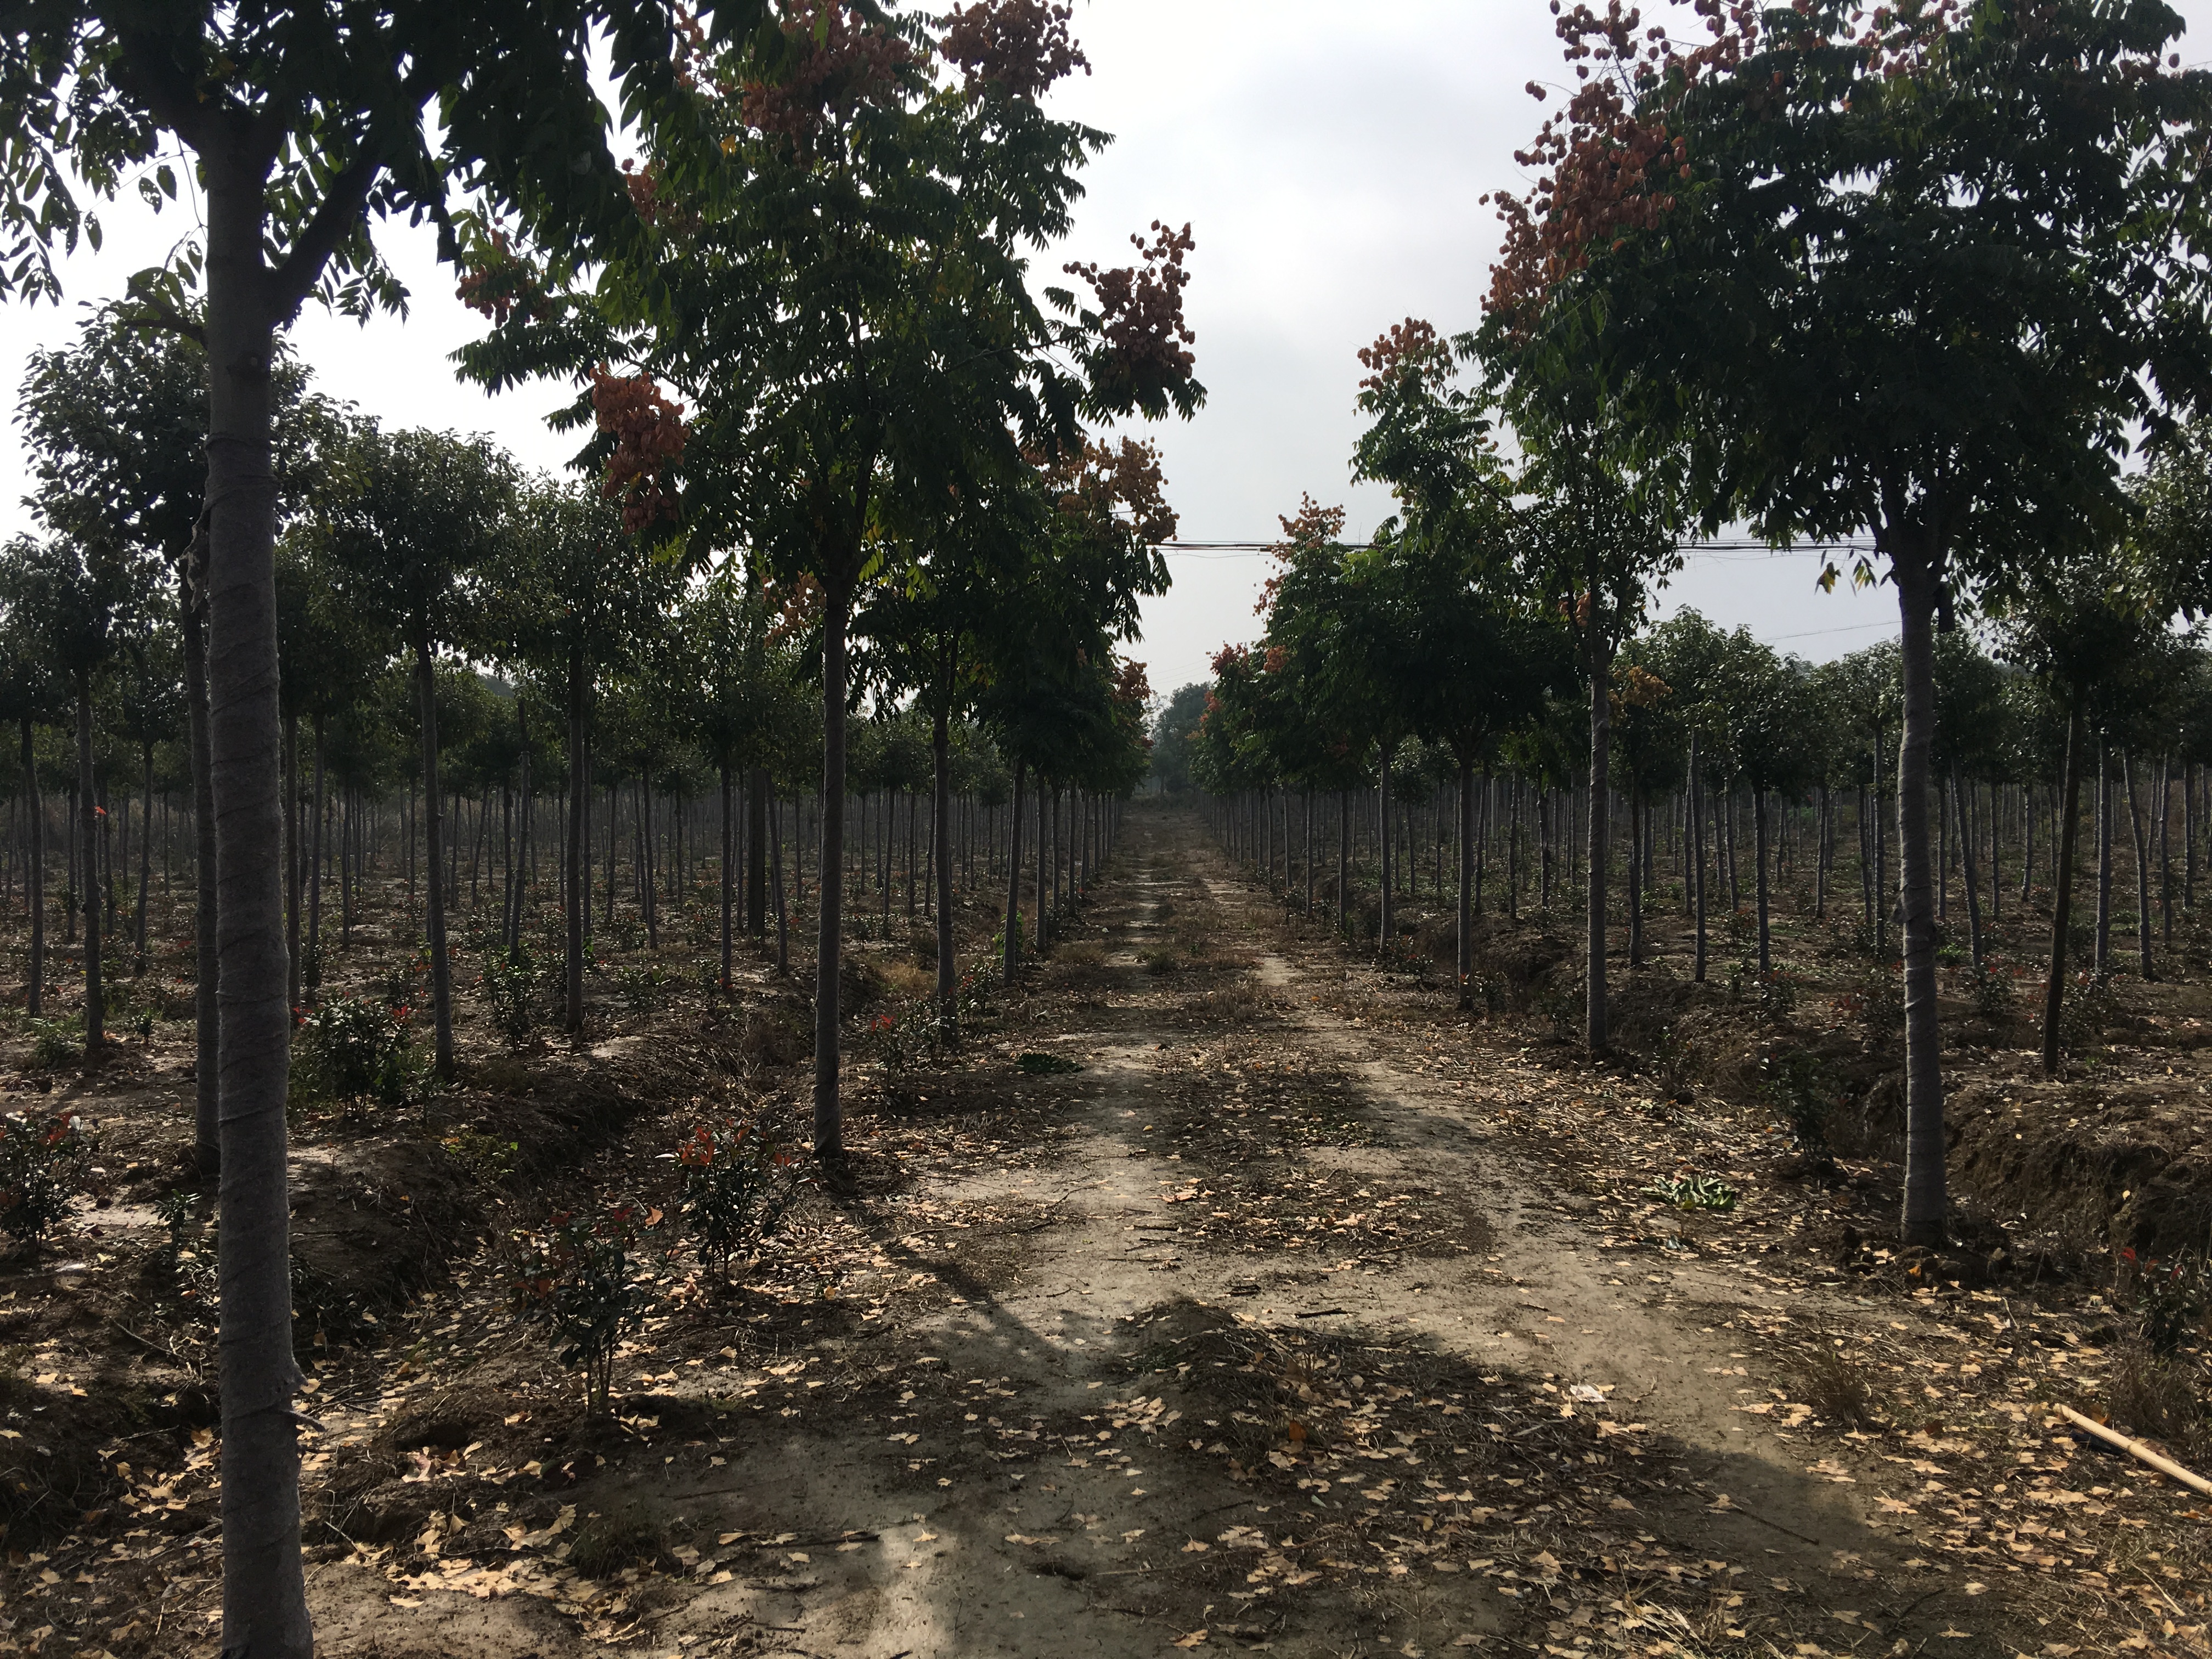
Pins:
x: 1413, y: 347
x: 1020, y: 47
x: 1147, y: 343
x: 647, y: 428
x: 844, y: 61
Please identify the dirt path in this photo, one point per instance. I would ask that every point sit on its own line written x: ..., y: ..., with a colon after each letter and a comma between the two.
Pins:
x: 1273, y: 1329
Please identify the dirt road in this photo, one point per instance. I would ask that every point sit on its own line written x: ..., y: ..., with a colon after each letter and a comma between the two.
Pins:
x: 1277, y: 1310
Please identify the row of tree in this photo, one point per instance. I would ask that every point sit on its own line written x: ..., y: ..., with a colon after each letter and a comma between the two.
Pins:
x: 1921, y: 279
x: 824, y: 248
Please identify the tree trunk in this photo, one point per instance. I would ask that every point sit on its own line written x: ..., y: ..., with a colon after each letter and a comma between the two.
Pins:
x: 264, y: 1611
x: 575, y: 900
x: 1465, y: 955
x: 145, y: 854
x: 1926, y: 1197
x: 828, y: 1122
x: 1696, y: 862
x: 729, y: 871
x: 434, y: 867
x: 294, y: 876
x: 1636, y: 835
x: 2104, y: 859
x: 1343, y: 856
x: 315, y: 875
x: 2142, y: 867
x: 1386, y: 922
x: 1601, y: 757
x: 1759, y: 852
x: 2062, y: 916
x: 34, y: 891
x: 756, y: 811
x: 1967, y: 866
x: 87, y: 818
x: 941, y: 856
x: 1012, y: 938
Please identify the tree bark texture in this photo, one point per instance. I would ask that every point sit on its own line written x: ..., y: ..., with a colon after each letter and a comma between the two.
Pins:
x: 1926, y: 1192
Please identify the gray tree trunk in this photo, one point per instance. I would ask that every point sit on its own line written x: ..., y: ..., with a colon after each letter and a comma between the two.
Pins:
x: 34, y: 875
x: 2061, y: 916
x: 88, y: 819
x: 829, y: 1117
x: 441, y: 972
x: 264, y: 1608
x: 1601, y: 759
x: 2142, y: 867
x: 1012, y: 964
x: 941, y: 858
x: 1696, y: 862
x: 1464, y: 958
x: 1926, y: 1190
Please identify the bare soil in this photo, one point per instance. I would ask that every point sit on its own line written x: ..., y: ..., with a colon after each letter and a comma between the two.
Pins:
x: 1310, y: 1315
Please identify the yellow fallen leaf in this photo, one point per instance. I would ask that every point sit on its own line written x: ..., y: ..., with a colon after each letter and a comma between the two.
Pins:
x: 1195, y: 1639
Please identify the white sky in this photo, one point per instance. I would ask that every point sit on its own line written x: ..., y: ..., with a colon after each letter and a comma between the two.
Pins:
x: 1329, y: 159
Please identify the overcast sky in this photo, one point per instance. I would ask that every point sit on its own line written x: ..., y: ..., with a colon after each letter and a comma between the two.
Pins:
x: 1329, y: 160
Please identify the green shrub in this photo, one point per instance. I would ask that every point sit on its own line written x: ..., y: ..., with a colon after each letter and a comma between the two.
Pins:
x: 1802, y: 1094
x: 42, y: 1170
x: 641, y: 986
x: 512, y: 987
x: 1989, y: 987
x: 2171, y: 1299
x: 350, y: 1049
x: 574, y: 1278
x: 55, y: 1043
x: 1695, y: 1192
x: 2090, y: 1008
x: 737, y: 1185
x: 484, y: 1157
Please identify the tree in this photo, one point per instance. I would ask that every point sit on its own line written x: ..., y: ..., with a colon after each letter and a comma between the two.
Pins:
x: 1171, y: 735
x: 1458, y: 656
x: 841, y: 289
x: 299, y: 132
x: 573, y: 596
x: 76, y: 601
x: 1884, y: 278
x: 409, y: 520
x: 117, y: 425
x: 1596, y: 542
x: 744, y: 687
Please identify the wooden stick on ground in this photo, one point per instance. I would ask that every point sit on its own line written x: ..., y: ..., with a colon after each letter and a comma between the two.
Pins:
x: 2137, y: 1449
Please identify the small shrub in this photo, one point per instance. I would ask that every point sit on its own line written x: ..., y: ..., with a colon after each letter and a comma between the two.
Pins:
x: 408, y: 983
x: 55, y: 1043
x: 1043, y: 1065
x: 1774, y: 993
x: 575, y: 1280
x: 737, y: 1185
x: 512, y: 986
x: 1697, y: 1192
x: 1989, y: 987
x: 609, y: 1544
x: 2090, y: 1008
x: 641, y: 988
x: 1741, y: 927
x: 1160, y: 960
x: 1560, y: 1001
x: 1840, y: 1391
x: 485, y: 1158
x: 1802, y: 1094
x: 1879, y: 994
x: 2159, y: 1396
x: 2171, y: 1299
x: 1486, y: 991
x: 43, y: 1162
x: 1674, y: 1062
x: 352, y: 1050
